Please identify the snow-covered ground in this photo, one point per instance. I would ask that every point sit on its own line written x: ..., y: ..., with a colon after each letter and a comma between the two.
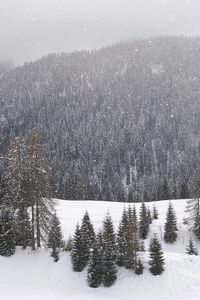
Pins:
x: 34, y: 275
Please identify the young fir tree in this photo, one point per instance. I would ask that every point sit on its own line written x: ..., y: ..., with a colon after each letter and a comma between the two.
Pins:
x: 95, y: 270
x: 193, y: 205
x: 155, y: 212
x: 191, y: 248
x: 121, y: 239
x: 77, y: 258
x: 55, y: 239
x: 156, y: 261
x: 88, y: 237
x: 139, y: 268
x: 144, y: 222
x: 149, y: 215
x: 40, y: 191
x: 7, y: 236
x: 109, y: 253
x: 170, y: 230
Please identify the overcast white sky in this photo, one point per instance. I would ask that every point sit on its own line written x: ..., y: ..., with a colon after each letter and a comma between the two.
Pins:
x: 32, y: 28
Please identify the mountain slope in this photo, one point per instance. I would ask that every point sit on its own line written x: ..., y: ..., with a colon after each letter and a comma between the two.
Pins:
x: 123, y: 119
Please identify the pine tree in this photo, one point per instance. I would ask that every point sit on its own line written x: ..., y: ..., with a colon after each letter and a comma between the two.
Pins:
x: 88, y: 237
x: 7, y: 235
x: 109, y: 253
x: 77, y: 258
x: 96, y: 270
x: 55, y: 239
x: 156, y: 261
x: 139, y: 268
x: 155, y: 212
x: 191, y: 249
x: 144, y: 222
x: 170, y: 231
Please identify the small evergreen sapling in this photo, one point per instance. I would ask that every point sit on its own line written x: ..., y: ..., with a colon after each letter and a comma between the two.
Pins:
x: 155, y: 212
x: 156, y: 261
x: 139, y: 268
x: 149, y: 215
x: 191, y: 248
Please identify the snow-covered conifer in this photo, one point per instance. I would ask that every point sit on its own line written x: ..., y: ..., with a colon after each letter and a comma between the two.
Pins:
x: 88, y: 236
x: 77, y: 258
x: 191, y: 248
x: 156, y: 261
x: 109, y: 253
x: 170, y: 230
x: 55, y: 239
x: 144, y: 222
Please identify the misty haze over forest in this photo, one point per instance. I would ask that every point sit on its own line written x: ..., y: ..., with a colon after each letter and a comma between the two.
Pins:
x: 32, y: 28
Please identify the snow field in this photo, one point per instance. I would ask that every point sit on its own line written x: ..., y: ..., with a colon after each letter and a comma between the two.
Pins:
x: 34, y: 275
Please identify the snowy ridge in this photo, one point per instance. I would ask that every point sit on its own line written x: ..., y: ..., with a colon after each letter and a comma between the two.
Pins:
x: 34, y: 275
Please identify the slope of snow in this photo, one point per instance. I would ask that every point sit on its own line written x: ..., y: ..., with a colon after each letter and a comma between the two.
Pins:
x: 34, y: 275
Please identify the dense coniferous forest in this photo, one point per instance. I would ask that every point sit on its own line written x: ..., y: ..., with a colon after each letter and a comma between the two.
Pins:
x: 121, y: 123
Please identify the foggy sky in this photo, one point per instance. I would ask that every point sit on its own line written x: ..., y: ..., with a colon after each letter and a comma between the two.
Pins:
x: 32, y: 28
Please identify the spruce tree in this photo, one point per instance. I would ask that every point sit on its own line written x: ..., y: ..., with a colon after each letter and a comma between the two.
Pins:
x: 144, y: 222
x: 121, y: 239
x: 191, y: 249
x: 96, y: 269
x: 109, y: 253
x: 77, y: 258
x: 55, y: 239
x: 7, y: 235
x: 156, y: 261
x: 170, y: 230
x: 88, y: 237
x: 155, y: 212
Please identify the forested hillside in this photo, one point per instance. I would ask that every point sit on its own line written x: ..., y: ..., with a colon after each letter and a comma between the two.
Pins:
x: 120, y: 123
